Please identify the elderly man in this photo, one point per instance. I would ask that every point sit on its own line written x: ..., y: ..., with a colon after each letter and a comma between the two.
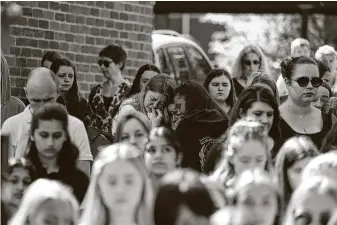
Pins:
x: 41, y: 88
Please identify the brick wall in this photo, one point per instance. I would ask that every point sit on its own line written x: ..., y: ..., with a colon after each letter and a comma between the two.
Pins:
x: 79, y: 30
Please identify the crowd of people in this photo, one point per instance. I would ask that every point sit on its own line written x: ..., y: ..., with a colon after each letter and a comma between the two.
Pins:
x: 239, y: 149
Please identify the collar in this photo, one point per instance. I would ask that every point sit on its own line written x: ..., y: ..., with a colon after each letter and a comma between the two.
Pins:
x: 28, y: 114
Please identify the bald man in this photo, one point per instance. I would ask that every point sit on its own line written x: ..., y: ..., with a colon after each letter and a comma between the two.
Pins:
x: 41, y: 88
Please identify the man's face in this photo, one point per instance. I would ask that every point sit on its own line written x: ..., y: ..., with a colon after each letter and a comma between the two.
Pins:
x: 40, y: 96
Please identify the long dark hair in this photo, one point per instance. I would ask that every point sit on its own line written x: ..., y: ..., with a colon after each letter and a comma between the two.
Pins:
x: 68, y: 154
x: 218, y: 73
x: 135, y: 88
x: 72, y: 96
x: 254, y: 94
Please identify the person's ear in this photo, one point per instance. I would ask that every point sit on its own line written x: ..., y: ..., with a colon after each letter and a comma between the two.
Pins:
x: 179, y: 159
x: 241, y: 113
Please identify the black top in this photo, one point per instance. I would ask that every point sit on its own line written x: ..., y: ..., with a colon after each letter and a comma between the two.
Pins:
x: 238, y: 87
x: 317, y: 138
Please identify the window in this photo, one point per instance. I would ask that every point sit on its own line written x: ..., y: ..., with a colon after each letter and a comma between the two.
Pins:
x: 199, y: 64
x: 164, y: 67
x: 180, y: 63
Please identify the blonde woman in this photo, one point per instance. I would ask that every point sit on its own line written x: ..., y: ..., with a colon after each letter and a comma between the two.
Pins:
x: 249, y: 60
x: 313, y: 202
x: 47, y: 202
x: 120, y: 190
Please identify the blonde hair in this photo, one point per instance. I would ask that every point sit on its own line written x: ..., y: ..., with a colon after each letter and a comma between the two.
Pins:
x: 318, y: 165
x: 325, y: 50
x: 298, y: 42
x: 95, y: 212
x: 316, y: 184
x: 237, y: 69
x: 39, y: 192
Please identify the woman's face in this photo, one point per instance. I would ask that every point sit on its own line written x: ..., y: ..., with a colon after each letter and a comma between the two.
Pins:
x: 147, y: 75
x: 322, y: 97
x: 178, y: 110
x: 328, y: 78
x: 160, y: 156
x: 154, y: 100
x: 260, y: 202
x: 306, y: 93
x: 109, y: 67
x: 219, y: 88
x: 134, y: 132
x: 185, y: 216
x: 295, y: 171
x: 53, y: 212
x: 262, y: 112
x: 65, y: 78
x: 249, y: 155
x: 330, y: 60
x: 313, y: 208
x: 16, y: 185
x: 121, y: 186
x: 49, y: 138
x: 251, y: 63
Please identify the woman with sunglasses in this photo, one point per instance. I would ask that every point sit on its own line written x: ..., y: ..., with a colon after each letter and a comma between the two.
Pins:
x: 250, y: 59
x: 106, y: 98
x: 298, y: 115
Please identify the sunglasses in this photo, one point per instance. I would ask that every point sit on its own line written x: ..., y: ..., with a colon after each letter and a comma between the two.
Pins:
x: 304, y: 81
x: 248, y: 63
x: 105, y: 62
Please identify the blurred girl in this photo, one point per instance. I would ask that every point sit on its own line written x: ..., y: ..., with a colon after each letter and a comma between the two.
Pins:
x: 219, y: 85
x: 119, y: 191
x: 162, y: 153
x: 294, y: 155
x: 255, y: 193
x: 47, y: 202
x: 246, y: 147
x: 183, y: 199
x: 66, y: 78
x: 134, y: 128
x: 249, y: 60
x: 51, y: 151
x: 313, y: 202
x: 15, y: 180
x: 144, y: 73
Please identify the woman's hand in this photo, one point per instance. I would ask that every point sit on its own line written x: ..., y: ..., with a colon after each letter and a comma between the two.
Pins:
x: 156, y: 116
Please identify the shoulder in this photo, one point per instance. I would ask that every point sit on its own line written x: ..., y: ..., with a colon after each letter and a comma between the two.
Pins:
x: 14, y: 121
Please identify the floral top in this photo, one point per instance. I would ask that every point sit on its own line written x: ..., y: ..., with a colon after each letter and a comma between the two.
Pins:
x: 103, y: 113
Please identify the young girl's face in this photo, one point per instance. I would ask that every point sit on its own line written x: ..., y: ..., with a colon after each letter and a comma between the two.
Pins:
x: 49, y: 137
x: 249, y: 155
x: 120, y: 185
x: 160, y: 156
x: 260, y: 202
x: 134, y: 132
x: 313, y: 208
x: 295, y: 171
x: 53, y: 212
x: 15, y: 186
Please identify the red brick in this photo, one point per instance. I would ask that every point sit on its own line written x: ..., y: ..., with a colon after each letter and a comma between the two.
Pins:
x: 80, y: 39
x: 69, y: 37
x: 37, y: 53
x: 70, y: 18
x: 64, y: 46
x: 90, y: 21
x: 64, y: 7
x: 49, y: 35
x: 26, y: 52
x: 27, y: 11
x: 60, y: 16
x: 37, y: 13
x: 55, y: 6
x: 32, y: 63
x: 33, y: 22
x: 44, y: 24
x: 80, y: 19
x: 44, y: 5
x: 54, y: 45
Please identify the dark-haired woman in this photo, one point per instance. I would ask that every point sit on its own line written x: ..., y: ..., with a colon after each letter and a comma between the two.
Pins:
x: 105, y: 99
x: 49, y: 57
x: 51, y: 150
x: 256, y: 102
x: 14, y: 182
x: 144, y: 73
x: 219, y: 84
x: 198, y: 120
x: 66, y: 78
x: 298, y: 115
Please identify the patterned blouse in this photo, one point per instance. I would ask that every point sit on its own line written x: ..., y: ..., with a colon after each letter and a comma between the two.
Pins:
x: 103, y: 108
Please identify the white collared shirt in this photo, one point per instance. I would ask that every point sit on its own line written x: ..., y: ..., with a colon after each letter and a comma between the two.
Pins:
x: 18, y: 127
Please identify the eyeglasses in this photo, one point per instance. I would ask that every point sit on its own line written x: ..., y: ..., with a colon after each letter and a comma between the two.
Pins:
x: 248, y: 63
x: 105, y: 62
x: 304, y: 81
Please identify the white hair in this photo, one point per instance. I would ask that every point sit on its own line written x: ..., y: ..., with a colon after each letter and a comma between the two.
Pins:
x: 39, y: 192
x: 298, y: 42
x: 319, y: 165
x: 325, y: 50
